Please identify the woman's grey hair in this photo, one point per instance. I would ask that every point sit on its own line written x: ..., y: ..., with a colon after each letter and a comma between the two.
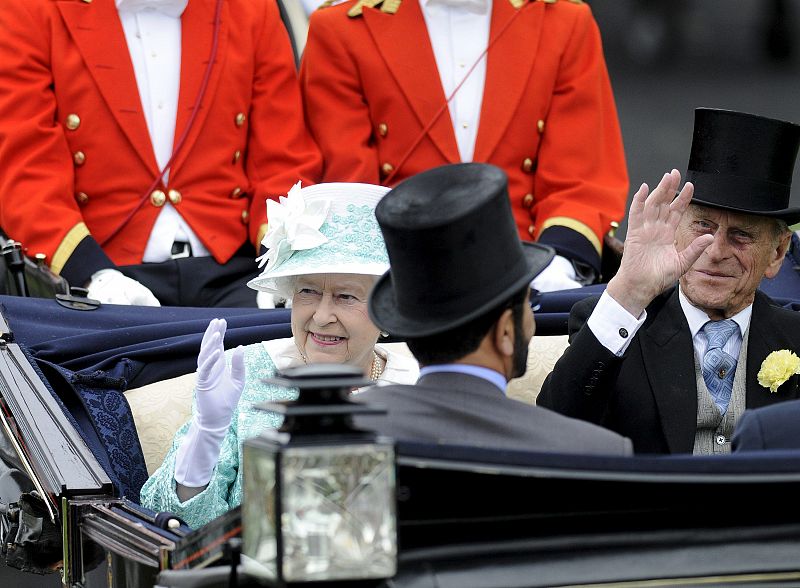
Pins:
x: 284, y: 287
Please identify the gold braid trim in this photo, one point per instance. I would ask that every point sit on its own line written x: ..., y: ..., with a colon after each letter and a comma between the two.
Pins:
x: 575, y: 225
x: 387, y: 6
x: 67, y: 247
x: 262, y: 230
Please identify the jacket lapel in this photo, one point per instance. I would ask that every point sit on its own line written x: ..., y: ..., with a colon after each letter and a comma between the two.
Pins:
x: 670, y: 371
x: 508, y: 69
x: 97, y: 33
x: 197, y: 38
x: 765, y: 336
x: 403, y: 42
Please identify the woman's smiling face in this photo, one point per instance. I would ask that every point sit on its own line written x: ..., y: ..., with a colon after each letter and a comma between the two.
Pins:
x: 330, y: 323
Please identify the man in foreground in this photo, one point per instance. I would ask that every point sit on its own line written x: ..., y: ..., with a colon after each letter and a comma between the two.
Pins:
x: 674, y: 368
x: 458, y: 293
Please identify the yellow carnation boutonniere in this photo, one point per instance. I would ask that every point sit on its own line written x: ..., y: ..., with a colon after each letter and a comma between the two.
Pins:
x: 778, y: 367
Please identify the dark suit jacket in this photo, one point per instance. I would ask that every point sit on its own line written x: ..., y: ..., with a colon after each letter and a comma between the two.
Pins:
x: 770, y: 427
x: 462, y: 409
x: 650, y: 393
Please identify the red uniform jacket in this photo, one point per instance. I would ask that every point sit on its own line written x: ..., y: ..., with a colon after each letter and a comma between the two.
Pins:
x: 548, y: 119
x: 76, y: 153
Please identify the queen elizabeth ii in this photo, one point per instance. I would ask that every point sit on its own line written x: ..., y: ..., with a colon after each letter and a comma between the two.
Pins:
x: 324, y: 253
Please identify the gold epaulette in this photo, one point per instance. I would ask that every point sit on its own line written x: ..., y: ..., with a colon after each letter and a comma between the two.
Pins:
x: 325, y: 4
x: 387, y: 6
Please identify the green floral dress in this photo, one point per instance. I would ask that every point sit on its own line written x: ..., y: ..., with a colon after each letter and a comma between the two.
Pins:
x: 224, y: 490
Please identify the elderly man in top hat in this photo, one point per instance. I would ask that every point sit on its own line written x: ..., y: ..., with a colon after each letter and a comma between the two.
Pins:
x: 458, y: 293
x: 674, y: 368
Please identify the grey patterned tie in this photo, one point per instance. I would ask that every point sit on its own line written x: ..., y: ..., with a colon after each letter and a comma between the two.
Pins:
x: 718, y: 366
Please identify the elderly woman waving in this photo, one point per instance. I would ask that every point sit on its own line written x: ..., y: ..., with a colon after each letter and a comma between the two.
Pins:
x: 325, y: 252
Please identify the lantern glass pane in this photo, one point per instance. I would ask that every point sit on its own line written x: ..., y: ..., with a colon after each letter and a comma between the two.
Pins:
x: 338, y: 515
x: 258, y: 512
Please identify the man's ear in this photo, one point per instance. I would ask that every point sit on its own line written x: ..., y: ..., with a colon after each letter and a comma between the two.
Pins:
x: 778, y: 254
x: 504, y: 333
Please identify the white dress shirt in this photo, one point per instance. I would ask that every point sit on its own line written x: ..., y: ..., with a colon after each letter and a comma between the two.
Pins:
x: 609, y: 320
x: 459, y: 33
x: 153, y: 34
x: 697, y: 318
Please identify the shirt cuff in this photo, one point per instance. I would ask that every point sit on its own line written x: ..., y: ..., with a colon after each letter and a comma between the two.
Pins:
x: 613, y: 326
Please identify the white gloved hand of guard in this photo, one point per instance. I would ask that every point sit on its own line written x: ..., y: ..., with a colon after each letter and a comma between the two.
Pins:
x: 217, y: 393
x: 111, y: 286
x: 265, y: 300
x: 559, y: 275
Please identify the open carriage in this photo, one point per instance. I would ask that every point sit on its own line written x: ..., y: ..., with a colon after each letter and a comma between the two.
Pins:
x: 76, y: 443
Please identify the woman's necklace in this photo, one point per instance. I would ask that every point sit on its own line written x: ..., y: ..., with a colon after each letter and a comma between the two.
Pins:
x: 377, y: 367
x: 374, y: 372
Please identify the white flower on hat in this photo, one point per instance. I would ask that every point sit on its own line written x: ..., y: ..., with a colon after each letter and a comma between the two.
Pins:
x: 293, y: 226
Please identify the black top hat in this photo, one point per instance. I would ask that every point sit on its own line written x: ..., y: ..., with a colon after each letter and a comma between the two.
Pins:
x: 454, y: 251
x: 743, y: 162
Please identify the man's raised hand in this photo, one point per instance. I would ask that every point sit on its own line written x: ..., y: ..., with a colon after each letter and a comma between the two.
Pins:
x: 651, y: 263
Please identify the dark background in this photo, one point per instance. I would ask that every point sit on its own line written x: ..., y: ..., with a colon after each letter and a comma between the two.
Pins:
x: 667, y: 57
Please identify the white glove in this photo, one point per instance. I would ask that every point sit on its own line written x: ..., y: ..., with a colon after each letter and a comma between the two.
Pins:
x: 265, y: 300
x: 111, y: 286
x: 559, y: 275
x: 217, y: 393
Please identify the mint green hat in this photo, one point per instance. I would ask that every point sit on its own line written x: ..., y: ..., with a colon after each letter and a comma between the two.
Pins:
x: 322, y: 229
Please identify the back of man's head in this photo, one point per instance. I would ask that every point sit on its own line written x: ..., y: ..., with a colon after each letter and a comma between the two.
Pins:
x: 462, y: 342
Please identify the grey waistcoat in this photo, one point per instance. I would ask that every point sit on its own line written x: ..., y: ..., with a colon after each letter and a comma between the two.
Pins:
x: 713, y: 433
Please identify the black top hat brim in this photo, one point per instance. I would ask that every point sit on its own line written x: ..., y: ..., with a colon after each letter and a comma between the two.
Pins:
x: 385, y: 312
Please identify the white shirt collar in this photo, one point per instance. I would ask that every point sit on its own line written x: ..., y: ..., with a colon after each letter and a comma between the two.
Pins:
x: 172, y: 8
x: 477, y: 6
x: 697, y: 318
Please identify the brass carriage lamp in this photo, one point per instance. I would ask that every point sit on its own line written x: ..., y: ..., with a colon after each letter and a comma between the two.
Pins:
x: 319, y: 495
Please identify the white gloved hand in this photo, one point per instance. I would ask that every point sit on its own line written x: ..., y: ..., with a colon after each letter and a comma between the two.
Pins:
x: 217, y: 393
x: 265, y: 300
x: 559, y: 275
x: 111, y: 286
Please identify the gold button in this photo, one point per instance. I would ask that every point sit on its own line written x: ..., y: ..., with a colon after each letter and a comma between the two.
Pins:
x: 88, y: 1
x: 79, y: 157
x: 540, y: 126
x: 237, y: 156
x: 527, y: 165
x: 527, y: 200
x: 245, y: 217
x: 236, y: 192
x: 240, y: 118
x: 73, y: 121
x: 383, y: 129
x: 174, y: 196
x: 157, y: 198
x: 613, y: 230
x: 531, y: 230
x: 82, y: 197
x: 387, y: 168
